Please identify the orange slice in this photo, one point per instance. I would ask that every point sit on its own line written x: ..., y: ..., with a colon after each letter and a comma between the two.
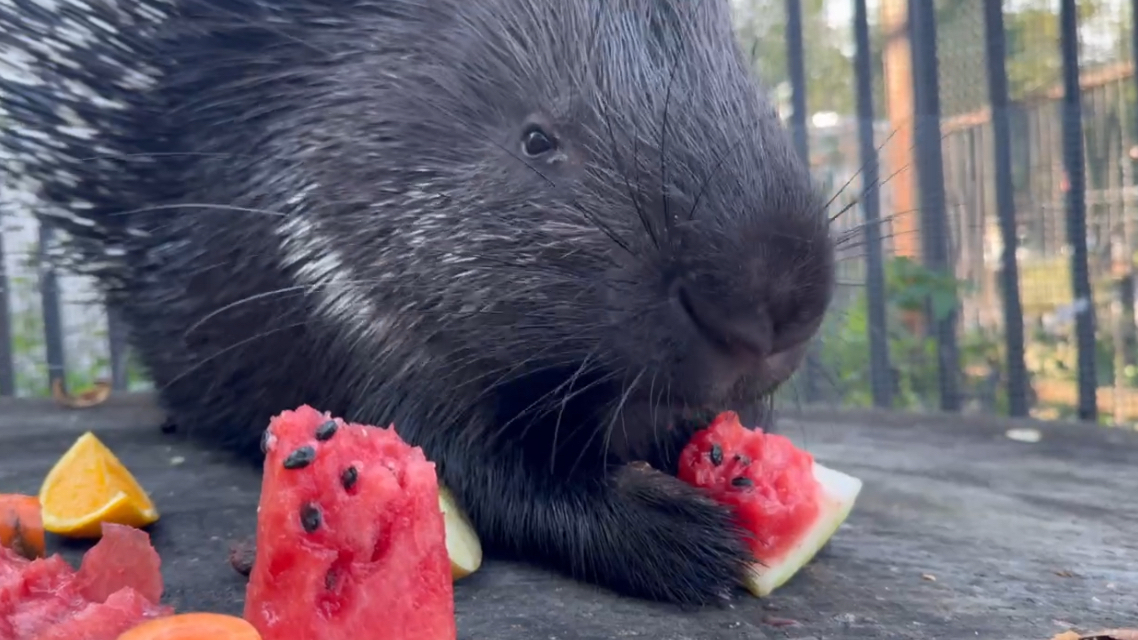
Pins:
x: 193, y: 626
x: 89, y: 486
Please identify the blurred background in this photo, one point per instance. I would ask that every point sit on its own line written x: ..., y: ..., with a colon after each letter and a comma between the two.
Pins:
x: 981, y: 156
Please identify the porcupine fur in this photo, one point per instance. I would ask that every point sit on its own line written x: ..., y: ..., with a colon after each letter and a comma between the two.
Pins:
x: 539, y: 238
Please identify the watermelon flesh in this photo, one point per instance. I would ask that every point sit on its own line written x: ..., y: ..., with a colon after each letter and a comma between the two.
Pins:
x: 117, y: 587
x: 123, y: 610
x: 122, y: 558
x: 351, y: 541
x: 789, y: 504
x: 35, y: 595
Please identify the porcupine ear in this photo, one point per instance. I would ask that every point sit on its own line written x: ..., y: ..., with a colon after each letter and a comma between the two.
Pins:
x: 69, y: 94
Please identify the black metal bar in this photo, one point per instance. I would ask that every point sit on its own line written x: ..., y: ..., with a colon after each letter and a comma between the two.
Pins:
x: 1077, y: 209
x: 1133, y: 48
x: 871, y: 204
x: 796, y: 69
x: 116, y: 343
x: 995, y: 47
x: 52, y: 316
x: 930, y: 177
x: 7, y: 360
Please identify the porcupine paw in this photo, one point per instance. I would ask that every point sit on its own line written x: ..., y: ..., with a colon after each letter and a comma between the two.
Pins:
x: 678, y: 545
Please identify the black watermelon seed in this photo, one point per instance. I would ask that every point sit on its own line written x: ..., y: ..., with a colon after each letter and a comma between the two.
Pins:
x: 348, y: 478
x: 742, y: 481
x: 330, y: 579
x: 716, y: 455
x: 742, y: 459
x: 310, y: 517
x: 326, y: 431
x: 300, y: 458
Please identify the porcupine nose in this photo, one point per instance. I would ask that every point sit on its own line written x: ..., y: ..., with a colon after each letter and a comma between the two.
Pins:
x: 730, y: 343
x: 737, y: 335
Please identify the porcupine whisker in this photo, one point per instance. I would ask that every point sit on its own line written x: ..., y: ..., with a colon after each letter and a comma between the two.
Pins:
x: 576, y: 429
x: 633, y: 194
x: 619, y: 412
x: 565, y: 402
x: 274, y: 293
x: 862, y: 244
x: 517, y: 370
x: 711, y: 175
x: 161, y: 154
x: 847, y: 207
x: 683, y: 408
x: 857, y: 232
x: 518, y: 365
x: 571, y: 276
x: 207, y: 207
x: 858, y: 241
x: 607, y: 430
x: 607, y: 116
x: 510, y: 371
x: 259, y: 296
x: 268, y: 26
x: 571, y: 393
x: 664, y: 139
x: 235, y: 345
x: 860, y: 170
x: 548, y: 395
x: 652, y: 407
x: 550, y: 400
x: 880, y: 182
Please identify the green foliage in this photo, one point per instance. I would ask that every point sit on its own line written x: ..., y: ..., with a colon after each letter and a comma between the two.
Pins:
x: 909, y: 286
x: 1034, y: 62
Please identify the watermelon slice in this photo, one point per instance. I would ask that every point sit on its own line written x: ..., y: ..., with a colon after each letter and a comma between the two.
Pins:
x: 351, y: 542
x: 123, y: 557
x: 788, y: 503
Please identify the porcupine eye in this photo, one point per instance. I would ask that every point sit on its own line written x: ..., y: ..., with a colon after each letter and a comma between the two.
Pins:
x: 536, y: 142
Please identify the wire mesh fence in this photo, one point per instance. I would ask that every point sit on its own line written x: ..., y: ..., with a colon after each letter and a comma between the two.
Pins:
x: 981, y: 157
x: 988, y: 254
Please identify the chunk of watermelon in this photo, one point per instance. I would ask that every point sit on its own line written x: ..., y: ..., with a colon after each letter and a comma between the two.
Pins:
x: 788, y: 503
x: 120, y: 612
x: 42, y: 594
x: 47, y: 599
x: 122, y: 558
x: 350, y: 537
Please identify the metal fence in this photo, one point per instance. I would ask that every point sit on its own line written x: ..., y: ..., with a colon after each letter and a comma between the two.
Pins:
x: 981, y: 155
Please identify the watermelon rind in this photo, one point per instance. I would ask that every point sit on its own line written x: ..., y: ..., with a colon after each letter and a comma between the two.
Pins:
x: 838, y: 493
x: 463, y: 545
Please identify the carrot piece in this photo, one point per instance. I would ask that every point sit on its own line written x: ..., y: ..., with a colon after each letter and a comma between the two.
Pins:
x: 193, y: 626
x: 21, y: 525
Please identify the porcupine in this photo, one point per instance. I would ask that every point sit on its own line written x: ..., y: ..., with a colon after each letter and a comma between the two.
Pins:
x: 540, y: 238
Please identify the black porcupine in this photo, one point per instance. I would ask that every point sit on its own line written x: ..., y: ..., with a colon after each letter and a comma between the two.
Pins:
x: 542, y: 238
